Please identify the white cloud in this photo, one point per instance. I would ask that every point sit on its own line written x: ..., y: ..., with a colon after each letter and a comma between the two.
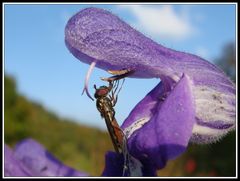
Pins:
x: 163, y: 21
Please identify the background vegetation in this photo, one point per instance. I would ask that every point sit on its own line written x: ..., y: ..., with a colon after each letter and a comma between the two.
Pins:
x: 76, y: 145
x: 83, y: 147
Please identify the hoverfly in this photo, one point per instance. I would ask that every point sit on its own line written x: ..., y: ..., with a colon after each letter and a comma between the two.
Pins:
x: 105, y: 103
x: 106, y: 99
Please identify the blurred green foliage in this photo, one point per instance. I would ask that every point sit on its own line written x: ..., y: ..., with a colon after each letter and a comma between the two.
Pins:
x: 84, y: 148
x: 78, y: 146
x: 227, y: 61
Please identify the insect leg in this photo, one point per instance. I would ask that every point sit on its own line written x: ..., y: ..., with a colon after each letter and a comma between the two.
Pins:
x: 116, y: 95
x: 113, y: 97
x: 116, y: 86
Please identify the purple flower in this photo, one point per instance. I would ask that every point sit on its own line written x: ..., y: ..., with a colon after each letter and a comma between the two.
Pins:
x: 29, y: 158
x: 194, y: 102
x: 12, y: 166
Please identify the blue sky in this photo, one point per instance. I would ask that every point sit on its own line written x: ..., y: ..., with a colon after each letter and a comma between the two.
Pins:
x: 45, y: 71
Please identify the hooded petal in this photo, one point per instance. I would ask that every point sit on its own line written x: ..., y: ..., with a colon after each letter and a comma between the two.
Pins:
x: 165, y: 132
x: 42, y: 163
x: 12, y: 166
x: 96, y: 35
x: 146, y: 108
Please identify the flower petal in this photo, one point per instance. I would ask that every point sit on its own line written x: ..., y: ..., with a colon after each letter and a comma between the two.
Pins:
x: 42, y: 163
x: 115, y: 163
x: 97, y: 35
x: 146, y: 108
x: 94, y: 34
x: 166, y: 133
x: 12, y: 166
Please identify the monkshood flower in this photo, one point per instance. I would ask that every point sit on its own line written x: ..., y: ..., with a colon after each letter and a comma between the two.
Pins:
x: 29, y: 158
x: 194, y: 102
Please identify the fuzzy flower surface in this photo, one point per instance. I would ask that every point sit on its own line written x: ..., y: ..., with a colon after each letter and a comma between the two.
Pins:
x: 31, y: 159
x: 194, y: 102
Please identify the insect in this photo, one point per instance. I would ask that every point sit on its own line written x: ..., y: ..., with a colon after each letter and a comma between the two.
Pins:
x: 106, y: 97
x: 105, y: 101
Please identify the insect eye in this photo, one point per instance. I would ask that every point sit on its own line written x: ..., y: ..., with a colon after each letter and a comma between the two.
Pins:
x: 102, y: 92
